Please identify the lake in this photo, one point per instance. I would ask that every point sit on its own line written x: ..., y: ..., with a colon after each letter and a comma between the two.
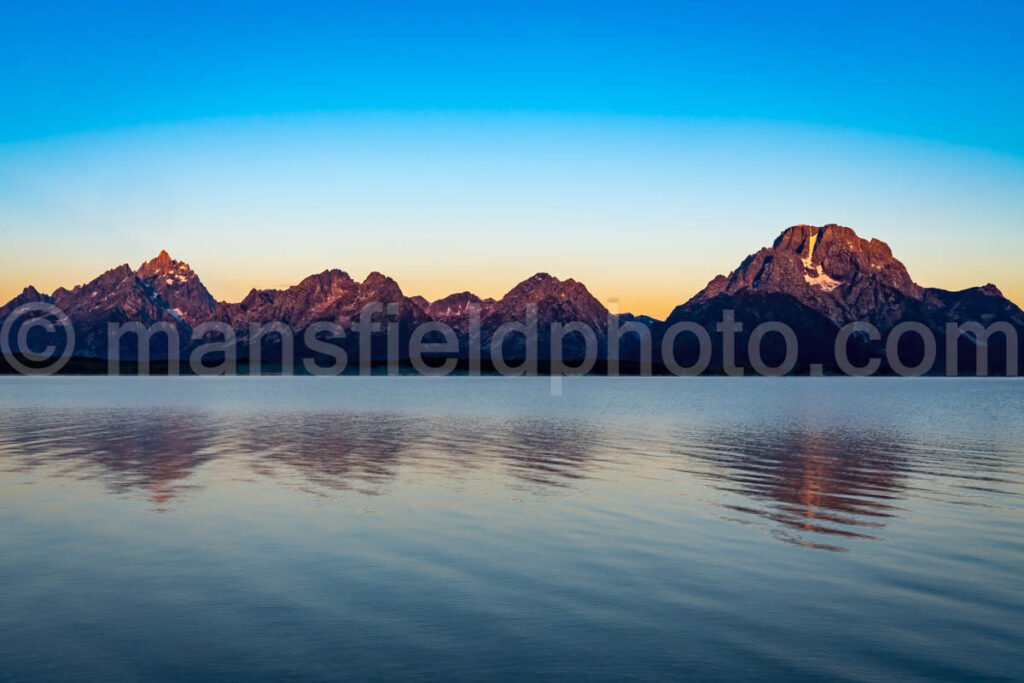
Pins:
x: 388, y: 528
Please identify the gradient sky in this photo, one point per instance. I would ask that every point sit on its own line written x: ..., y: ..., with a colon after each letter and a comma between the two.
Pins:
x: 639, y: 147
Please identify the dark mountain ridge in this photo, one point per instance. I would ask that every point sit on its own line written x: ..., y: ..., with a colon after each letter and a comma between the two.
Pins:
x: 818, y: 279
x: 814, y: 279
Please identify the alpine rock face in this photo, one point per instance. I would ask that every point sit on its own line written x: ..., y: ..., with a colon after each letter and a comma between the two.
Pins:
x: 161, y: 290
x: 29, y: 295
x: 328, y: 296
x: 828, y: 269
x: 178, y: 288
x: 554, y: 301
x: 455, y: 310
x: 819, y: 279
x: 814, y: 279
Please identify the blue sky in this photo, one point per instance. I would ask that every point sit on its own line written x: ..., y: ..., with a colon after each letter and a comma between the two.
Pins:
x: 363, y: 127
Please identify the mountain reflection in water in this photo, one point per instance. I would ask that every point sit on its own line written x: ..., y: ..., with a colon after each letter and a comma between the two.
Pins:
x: 809, y: 484
x: 267, y: 529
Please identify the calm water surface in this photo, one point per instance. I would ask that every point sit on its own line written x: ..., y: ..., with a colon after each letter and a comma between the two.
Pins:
x: 461, y: 528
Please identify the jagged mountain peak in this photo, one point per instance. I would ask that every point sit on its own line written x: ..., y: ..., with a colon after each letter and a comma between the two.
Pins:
x: 376, y: 278
x: 106, y: 279
x: 829, y: 268
x: 331, y: 279
x: 812, y: 276
x: 466, y: 295
x: 175, y: 285
x: 329, y: 295
x: 454, y: 309
x: 813, y: 242
x: 454, y: 305
x: 28, y: 295
x: 990, y: 290
x: 381, y: 288
x: 543, y: 285
x: 166, y: 267
x: 557, y: 300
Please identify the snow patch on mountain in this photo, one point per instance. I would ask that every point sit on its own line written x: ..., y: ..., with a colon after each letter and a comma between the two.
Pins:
x: 809, y: 261
x: 819, y: 279
x: 822, y: 281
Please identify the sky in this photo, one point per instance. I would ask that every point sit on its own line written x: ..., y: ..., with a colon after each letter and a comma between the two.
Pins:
x: 640, y: 147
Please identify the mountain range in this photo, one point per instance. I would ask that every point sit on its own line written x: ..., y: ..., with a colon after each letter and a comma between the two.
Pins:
x: 814, y: 279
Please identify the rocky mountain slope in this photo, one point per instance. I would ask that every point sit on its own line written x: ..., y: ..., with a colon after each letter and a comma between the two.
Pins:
x: 818, y: 279
x: 814, y: 279
x: 166, y: 290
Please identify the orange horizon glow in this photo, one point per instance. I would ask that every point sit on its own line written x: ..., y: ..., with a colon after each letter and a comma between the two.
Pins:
x: 644, y: 212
